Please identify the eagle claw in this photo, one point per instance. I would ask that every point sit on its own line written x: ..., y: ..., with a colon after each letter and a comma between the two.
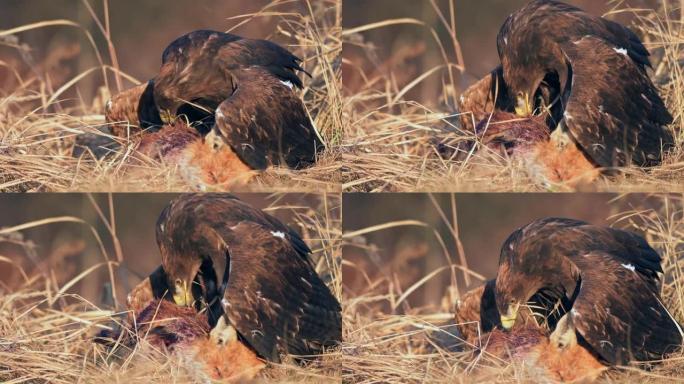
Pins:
x: 564, y: 335
x: 223, y: 333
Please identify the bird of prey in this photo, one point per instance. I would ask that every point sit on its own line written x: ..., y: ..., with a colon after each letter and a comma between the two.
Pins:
x: 587, y: 74
x: 255, y: 272
x: 609, y: 279
x: 242, y: 90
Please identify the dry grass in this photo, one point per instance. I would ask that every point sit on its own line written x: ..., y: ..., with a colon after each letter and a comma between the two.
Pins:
x: 392, y: 141
x: 38, y: 128
x: 46, y: 332
x: 387, y: 340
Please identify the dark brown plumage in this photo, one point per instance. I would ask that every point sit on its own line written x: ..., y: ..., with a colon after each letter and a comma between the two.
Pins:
x: 586, y: 75
x: 609, y: 277
x: 241, y: 89
x: 609, y: 106
x: 258, y: 268
x: 265, y: 123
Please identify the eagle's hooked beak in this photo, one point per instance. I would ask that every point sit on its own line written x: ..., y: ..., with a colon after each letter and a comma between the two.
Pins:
x: 182, y: 295
x: 166, y: 116
x: 523, y: 107
x: 508, y: 320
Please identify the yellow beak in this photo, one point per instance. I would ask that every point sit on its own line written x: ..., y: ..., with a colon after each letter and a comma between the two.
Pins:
x: 523, y: 107
x: 182, y: 295
x: 508, y: 320
x: 166, y: 116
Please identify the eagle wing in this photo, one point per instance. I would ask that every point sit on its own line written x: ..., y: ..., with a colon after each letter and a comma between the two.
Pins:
x: 275, y: 299
x: 265, y: 122
x: 612, y: 110
x: 196, y: 67
x: 562, y: 22
x: 619, y: 313
x: 231, y: 50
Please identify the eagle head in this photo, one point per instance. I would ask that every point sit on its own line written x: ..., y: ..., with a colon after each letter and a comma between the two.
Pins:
x: 181, y: 272
x: 181, y: 264
x: 512, y: 291
x: 524, y: 76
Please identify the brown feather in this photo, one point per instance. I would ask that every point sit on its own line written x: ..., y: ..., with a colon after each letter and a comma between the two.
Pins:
x: 273, y: 296
x: 265, y: 122
x: 609, y: 104
x: 609, y: 276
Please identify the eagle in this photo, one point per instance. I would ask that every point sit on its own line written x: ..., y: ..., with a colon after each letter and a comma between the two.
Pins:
x: 252, y: 273
x: 241, y: 90
x: 608, y: 283
x: 586, y: 74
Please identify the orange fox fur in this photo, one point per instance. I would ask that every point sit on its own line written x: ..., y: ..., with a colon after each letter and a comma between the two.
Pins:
x: 200, y: 162
x: 530, y: 345
x: 233, y: 361
x: 183, y: 330
x: 529, y: 139
x: 564, y: 165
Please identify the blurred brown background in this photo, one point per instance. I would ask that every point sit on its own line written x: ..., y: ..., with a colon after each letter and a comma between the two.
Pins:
x: 140, y: 31
x: 61, y: 251
x: 409, y: 50
x: 406, y: 254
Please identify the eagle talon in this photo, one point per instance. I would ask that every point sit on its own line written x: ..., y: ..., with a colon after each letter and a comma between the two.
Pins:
x: 564, y: 335
x: 223, y: 333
